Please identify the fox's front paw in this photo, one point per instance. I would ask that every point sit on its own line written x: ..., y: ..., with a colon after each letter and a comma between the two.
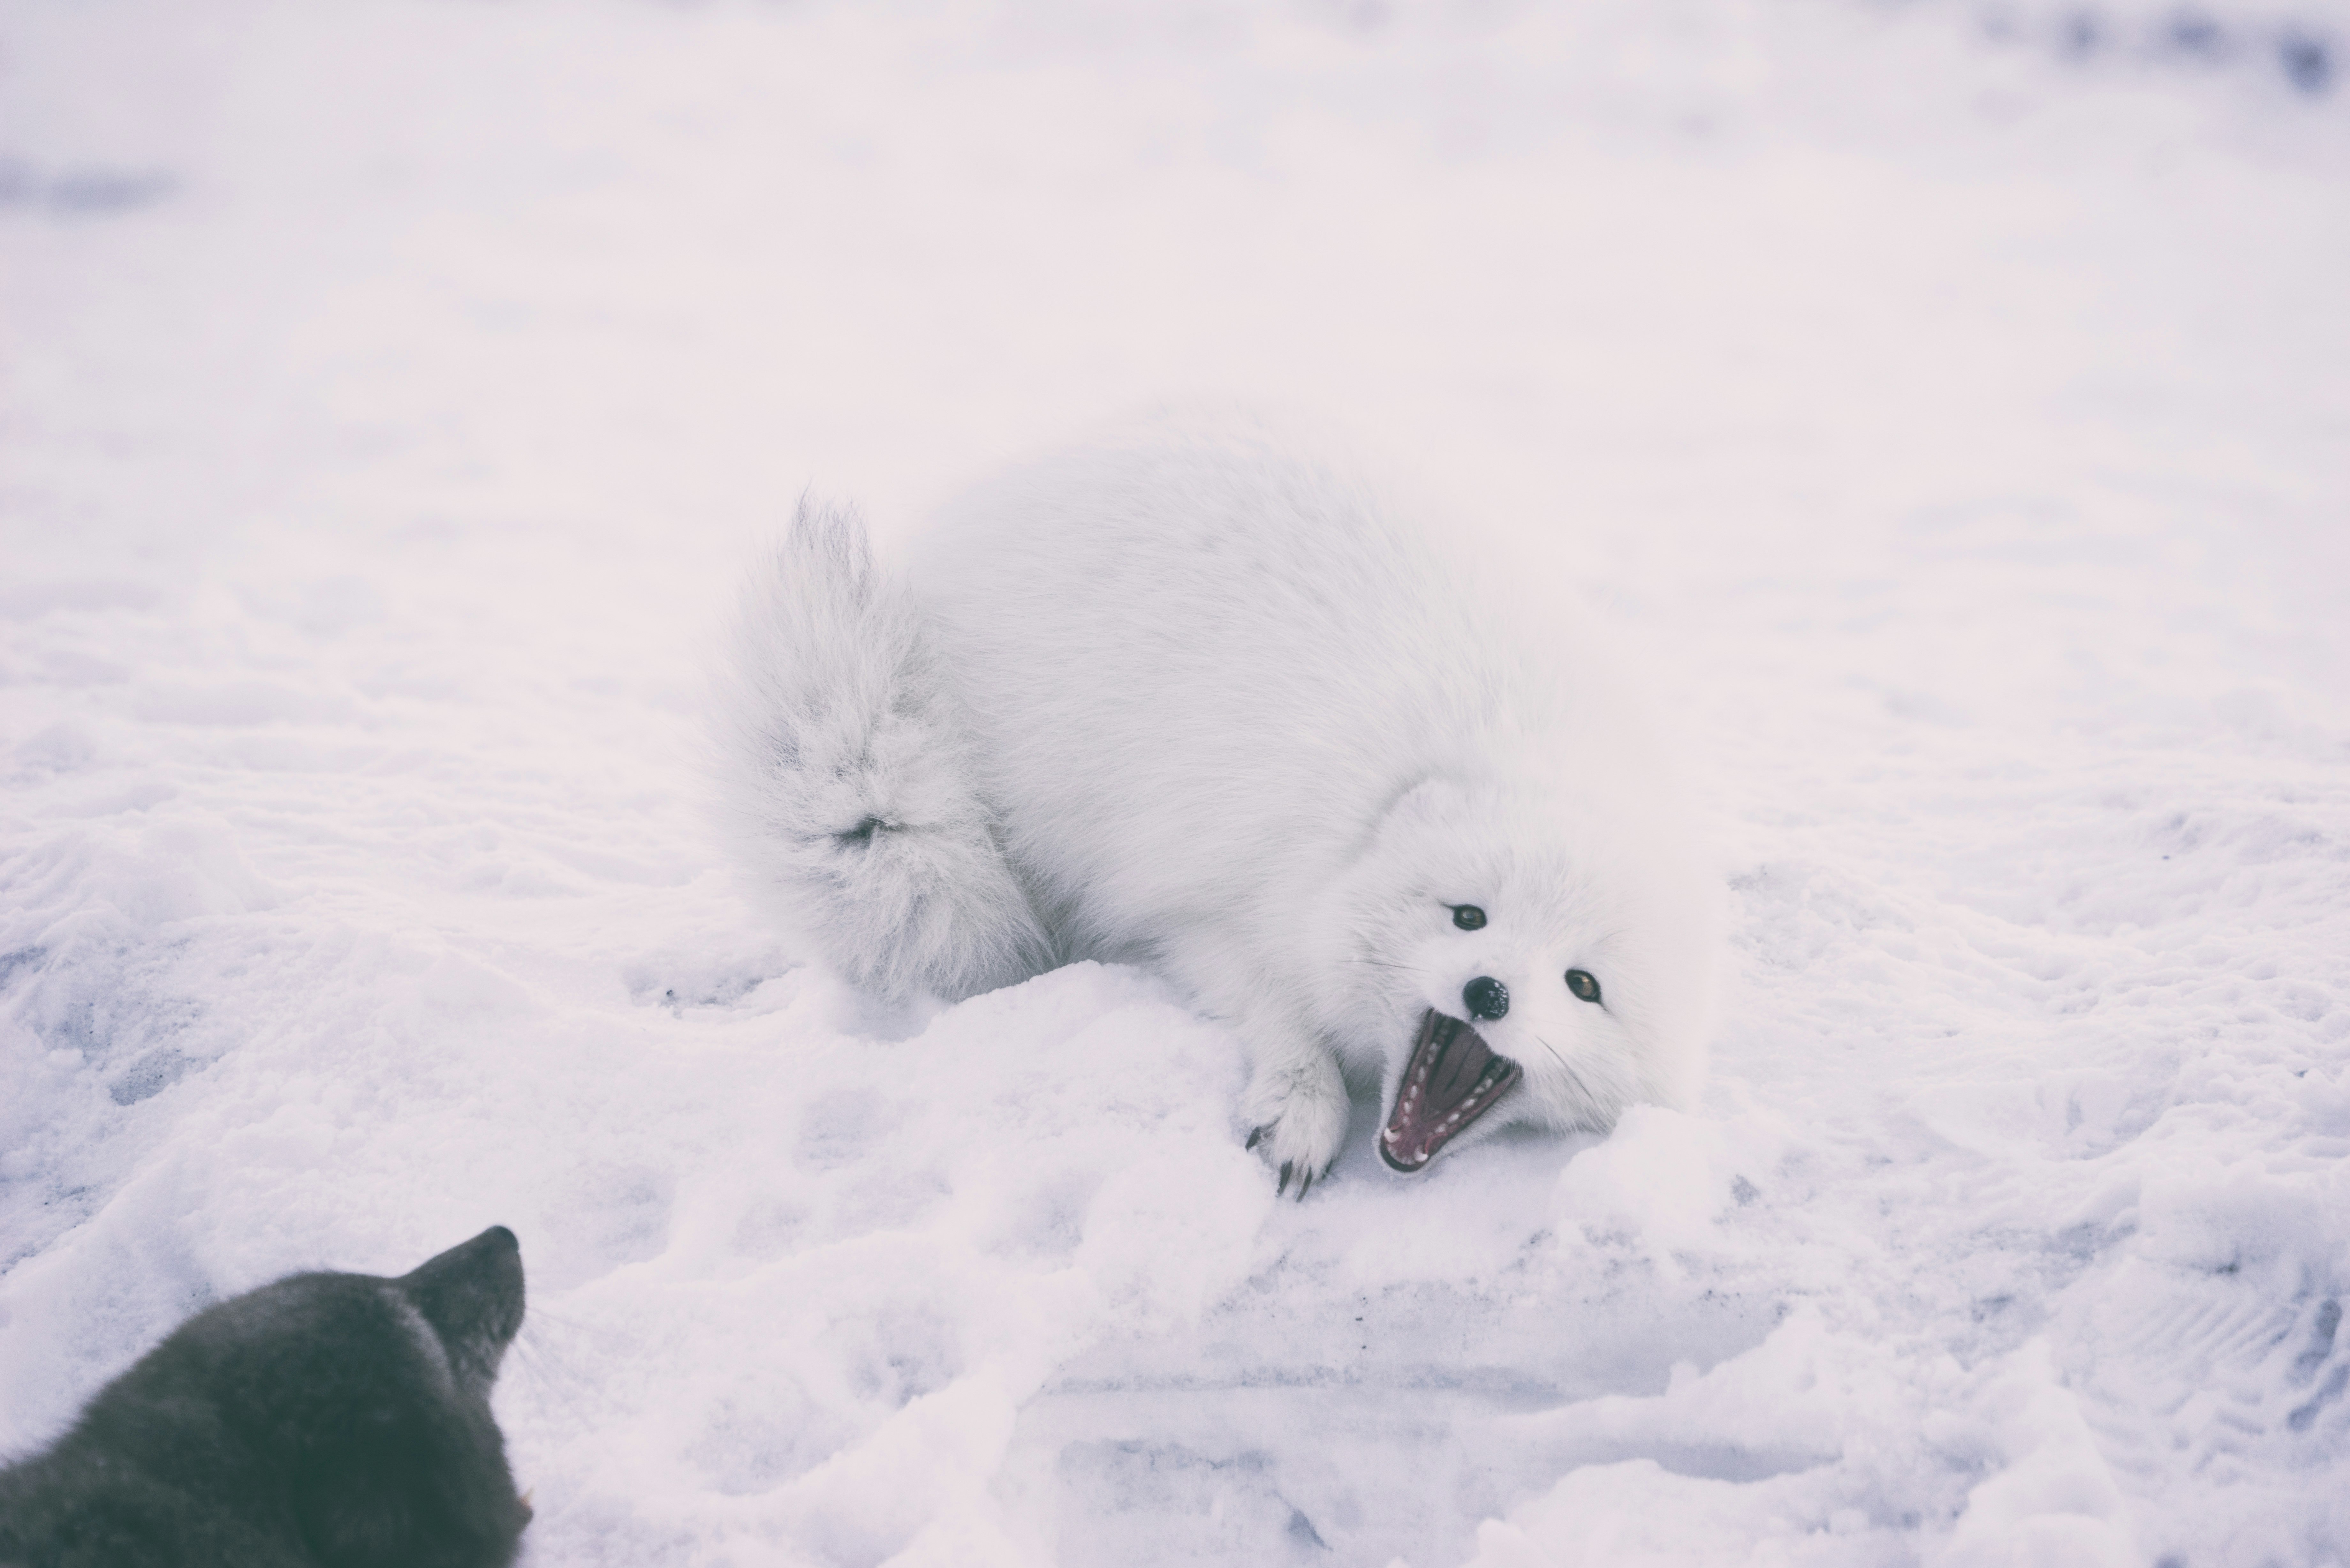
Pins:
x: 1299, y: 1115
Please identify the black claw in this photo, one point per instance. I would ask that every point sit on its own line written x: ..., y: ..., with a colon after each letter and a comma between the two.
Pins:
x: 1302, y: 1186
x: 1284, y: 1180
x: 1256, y: 1137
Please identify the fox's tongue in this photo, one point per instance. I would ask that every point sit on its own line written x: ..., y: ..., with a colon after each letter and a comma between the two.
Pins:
x: 1453, y: 1078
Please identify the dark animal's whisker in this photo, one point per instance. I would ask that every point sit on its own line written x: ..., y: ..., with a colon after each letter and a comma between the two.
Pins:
x: 547, y: 1379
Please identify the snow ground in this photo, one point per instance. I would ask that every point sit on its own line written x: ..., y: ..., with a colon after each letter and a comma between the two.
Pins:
x: 1951, y: 402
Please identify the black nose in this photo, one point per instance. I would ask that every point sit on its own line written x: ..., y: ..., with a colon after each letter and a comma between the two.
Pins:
x: 1486, y: 997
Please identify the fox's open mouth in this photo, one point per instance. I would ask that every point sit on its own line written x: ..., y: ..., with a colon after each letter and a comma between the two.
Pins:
x: 1453, y: 1078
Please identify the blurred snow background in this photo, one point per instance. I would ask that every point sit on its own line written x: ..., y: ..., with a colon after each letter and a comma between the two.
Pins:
x: 1953, y: 400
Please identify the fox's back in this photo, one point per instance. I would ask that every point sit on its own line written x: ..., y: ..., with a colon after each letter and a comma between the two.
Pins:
x: 1193, y: 661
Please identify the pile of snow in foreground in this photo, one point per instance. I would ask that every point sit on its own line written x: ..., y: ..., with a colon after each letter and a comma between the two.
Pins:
x: 392, y: 389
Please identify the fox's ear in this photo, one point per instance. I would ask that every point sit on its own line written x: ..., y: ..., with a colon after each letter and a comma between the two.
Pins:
x: 1430, y: 802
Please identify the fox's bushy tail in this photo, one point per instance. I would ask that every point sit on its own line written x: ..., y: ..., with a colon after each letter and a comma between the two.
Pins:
x: 846, y: 773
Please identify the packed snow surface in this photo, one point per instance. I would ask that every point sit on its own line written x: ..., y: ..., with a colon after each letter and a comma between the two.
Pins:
x: 1948, y: 405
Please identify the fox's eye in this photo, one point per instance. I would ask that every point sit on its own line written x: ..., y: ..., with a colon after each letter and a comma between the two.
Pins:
x: 1468, y: 917
x: 1581, y: 982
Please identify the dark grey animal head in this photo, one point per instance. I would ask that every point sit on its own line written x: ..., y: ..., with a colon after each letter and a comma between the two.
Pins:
x: 373, y: 1397
x: 339, y: 1419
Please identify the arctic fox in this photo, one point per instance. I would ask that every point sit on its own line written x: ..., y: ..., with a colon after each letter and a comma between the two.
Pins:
x: 1190, y: 698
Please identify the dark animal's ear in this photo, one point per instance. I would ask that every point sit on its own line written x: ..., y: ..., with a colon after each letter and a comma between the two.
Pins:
x: 472, y: 1294
x: 412, y: 1489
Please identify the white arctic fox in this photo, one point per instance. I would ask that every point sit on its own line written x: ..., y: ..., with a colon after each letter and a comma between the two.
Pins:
x: 1188, y: 699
